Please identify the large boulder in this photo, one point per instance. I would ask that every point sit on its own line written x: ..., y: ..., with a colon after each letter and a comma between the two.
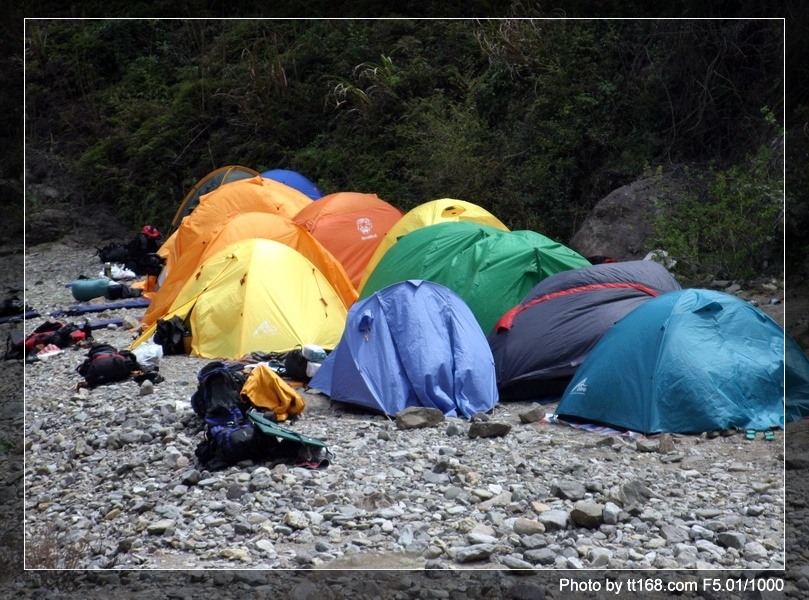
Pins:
x: 621, y: 225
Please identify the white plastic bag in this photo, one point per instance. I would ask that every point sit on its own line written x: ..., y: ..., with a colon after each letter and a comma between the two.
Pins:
x: 148, y: 354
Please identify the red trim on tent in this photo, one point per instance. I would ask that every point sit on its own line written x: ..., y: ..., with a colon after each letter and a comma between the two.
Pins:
x: 507, y: 320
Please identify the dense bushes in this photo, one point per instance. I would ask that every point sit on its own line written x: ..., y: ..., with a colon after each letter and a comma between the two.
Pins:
x: 533, y: 120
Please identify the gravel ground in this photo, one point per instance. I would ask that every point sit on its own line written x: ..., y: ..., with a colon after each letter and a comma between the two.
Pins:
x: 113, y: 489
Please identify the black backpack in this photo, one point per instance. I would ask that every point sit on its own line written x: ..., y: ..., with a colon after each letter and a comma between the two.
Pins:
x: 295, y: 366
x: 113, y: 253
x: 230, y: 437
x: 142, y: 257
x: 105, y: 364
x: 170, y: 334
x: 220, y: 386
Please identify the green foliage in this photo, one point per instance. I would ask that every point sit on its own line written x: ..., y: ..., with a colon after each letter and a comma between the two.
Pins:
x: 535, y: 120
x: 729, y: 225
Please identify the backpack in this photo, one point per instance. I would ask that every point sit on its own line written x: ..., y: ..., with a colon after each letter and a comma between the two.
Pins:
x: 142, y: 257
x: 113, y: 253
x: 295, y: 366
x: 230, y: 438
x: 57, y: 333
x: 170, y: 335
x: 105, y: 364
x: 219, y: 386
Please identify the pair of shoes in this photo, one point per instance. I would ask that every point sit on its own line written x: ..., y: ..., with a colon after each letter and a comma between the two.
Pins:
x: 769, y: 435
x: 750, y: 434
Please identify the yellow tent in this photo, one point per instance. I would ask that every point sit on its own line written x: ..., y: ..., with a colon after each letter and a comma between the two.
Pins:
x: 245, y: 226
x: 257, y: 295
x: 429, y: 213
x: 246, y: 195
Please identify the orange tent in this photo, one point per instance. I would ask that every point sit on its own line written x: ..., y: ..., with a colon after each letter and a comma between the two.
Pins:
x: 350, y: 225
x: 238, y: 227
x: 207, y: 184
x: 246, y: 195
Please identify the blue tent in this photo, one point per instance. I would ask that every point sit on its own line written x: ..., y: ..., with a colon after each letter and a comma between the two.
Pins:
x: 294, y: 180
x: 685, y: 362
x: 413, y: 343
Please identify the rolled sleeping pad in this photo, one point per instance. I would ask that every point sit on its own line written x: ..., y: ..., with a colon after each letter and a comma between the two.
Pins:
x: 87, y: 289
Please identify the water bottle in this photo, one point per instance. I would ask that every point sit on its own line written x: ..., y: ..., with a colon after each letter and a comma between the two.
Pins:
x: 107, y: 270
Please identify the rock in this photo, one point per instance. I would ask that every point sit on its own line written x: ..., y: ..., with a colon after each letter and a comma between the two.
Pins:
x: 611, y: 513
x: 665, y: 444
x: 622, y: 223
x: 146, y: 388
x: 474, y: 553
x: 599, y: 557
x: 731, y: 539
x: 527, y: 526
x: 675, y: 534
x: 634, y: 493
x: 416, y: 417
x: 587, y: 514
x: 568, y: 490
x: 533, y: 415
x: 487, y: 429
x: 297, y: 519
x: 160, y: 527
x: 540, y: 556
x: 554, y: 520
x: 453, y: 430
x: 646, y: 445
x: 754, y: 551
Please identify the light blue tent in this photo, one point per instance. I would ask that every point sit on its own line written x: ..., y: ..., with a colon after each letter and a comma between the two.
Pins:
x: 413, y: 343
x: 687, y: 361
x: 294, y: 180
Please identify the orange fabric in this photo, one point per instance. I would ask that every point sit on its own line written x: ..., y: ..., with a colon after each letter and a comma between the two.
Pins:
x: 247, y: 195
x: 245, y: 226
x: 350, y: 225
x: 264, y: 388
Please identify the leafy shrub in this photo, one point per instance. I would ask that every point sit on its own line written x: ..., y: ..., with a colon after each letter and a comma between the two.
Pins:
x: 729, y: 225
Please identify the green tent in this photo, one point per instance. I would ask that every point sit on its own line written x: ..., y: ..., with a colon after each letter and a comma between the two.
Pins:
x: 490, y: 269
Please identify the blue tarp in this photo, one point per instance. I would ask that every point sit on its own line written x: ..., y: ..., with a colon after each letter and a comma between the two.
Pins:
x: 413, y: 343
x: 685, y: 362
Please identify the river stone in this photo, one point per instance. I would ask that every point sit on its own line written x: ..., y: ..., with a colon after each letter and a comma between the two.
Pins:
x: 554, y: 520
x: 488, y: 429
x: 415, y: 417
x: 587, y: 514
x: 568, y: 490
x: 474, y: 553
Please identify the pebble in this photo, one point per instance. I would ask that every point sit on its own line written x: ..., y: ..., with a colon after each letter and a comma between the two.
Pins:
x: 395, y: 497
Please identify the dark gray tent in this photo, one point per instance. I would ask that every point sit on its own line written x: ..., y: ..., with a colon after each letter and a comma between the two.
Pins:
x: 539, y: 344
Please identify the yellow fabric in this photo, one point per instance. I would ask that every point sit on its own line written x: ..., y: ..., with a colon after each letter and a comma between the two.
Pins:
x: 244, y: 226
x: 264, y: 388
x: 257, y: 295
x: 429, y: 213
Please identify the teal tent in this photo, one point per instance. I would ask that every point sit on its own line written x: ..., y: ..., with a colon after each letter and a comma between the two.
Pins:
x: 490, y: 269
x: 687, y: 361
